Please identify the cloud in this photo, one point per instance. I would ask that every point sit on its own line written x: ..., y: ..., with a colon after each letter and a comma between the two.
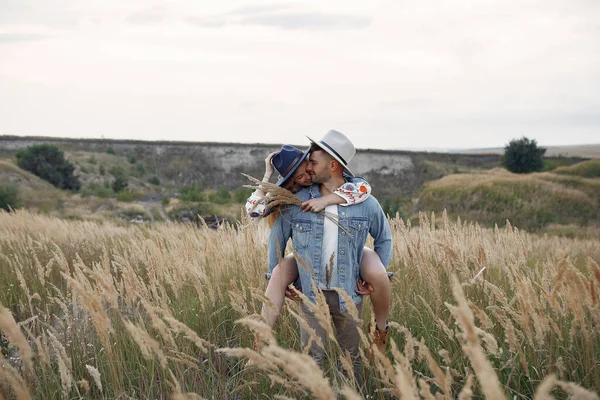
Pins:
x: 309, y: 20
x: 19, y: 37
x: 252, y: 10
x: 147, y: 16
x: 210, y: 22
x: 283, y: 17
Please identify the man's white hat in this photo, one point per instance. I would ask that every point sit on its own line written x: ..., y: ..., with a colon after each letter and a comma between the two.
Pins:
x: 338, y: 146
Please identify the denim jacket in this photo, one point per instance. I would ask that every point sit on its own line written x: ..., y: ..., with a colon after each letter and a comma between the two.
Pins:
x: 306, y: 231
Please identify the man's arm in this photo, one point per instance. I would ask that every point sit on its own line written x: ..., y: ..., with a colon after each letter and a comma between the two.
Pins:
x: 382, y: 234
x: 281, y: 231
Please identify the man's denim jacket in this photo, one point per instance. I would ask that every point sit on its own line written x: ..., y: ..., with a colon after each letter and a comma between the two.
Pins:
x: 306, y: 231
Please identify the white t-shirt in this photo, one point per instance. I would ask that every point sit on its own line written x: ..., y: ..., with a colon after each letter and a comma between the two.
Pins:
x: 330, y: 246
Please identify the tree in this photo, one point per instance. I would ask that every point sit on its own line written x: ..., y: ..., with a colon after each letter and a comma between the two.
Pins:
x: 121, y: 180
x: 48, y: 162
x: 9, y: 197
x: 120, y: 183
x: 523, y: 156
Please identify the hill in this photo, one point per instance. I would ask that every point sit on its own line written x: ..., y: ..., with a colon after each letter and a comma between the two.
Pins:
x: 216, y: 165
x: 531, y: 201
x: 177, y: 180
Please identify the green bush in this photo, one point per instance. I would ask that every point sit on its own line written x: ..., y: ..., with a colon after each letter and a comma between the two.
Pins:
x: 126, y: 196
x: 193, y: 192
x: 96, y: 190
x: 121, y: 182
x: 395, y: 204
x: 132, y: 159
x: 101, y: 170
x: 9, y: 197
x: 103, y: 192
x: 165, y: 201
x: 116, y: 170
x: 522, y: 156
x: 48, y: 162
x: 139, y: 169
x: 110, y: 150
x: 154, y: 180
x: 222, y: 196
x: 241, y: 195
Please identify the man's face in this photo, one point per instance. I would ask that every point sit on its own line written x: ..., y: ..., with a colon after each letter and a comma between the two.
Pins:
x: 300, y: 179
x: 318, y: 167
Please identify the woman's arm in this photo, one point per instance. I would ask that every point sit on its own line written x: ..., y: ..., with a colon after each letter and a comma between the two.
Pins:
x: 347, y: 194
x: 256, y: 203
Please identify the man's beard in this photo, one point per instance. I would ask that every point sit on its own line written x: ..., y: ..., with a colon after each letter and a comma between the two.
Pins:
x: 321, y: 178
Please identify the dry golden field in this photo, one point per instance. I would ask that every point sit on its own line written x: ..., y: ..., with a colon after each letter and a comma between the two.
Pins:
x: 98, y: 310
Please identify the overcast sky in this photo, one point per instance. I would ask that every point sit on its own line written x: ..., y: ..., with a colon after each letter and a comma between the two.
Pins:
x: 390, y: 74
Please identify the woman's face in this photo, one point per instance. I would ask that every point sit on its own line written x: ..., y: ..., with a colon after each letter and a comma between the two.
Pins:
x: 300, y: 179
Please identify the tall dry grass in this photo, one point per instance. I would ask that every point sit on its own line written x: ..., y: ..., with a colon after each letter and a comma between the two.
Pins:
x: 92, y: 310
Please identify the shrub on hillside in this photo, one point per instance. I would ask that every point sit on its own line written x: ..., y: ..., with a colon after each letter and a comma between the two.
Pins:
x: 222, y: 196
x: 121, y: 182
x: 393, y: 205
x: 126, y: 196
x: 48, y: 162
x: 241, y: 195
x: 96, y: 190
x: 9, y: 197
x: 193, y: 192
x: 523, y: 156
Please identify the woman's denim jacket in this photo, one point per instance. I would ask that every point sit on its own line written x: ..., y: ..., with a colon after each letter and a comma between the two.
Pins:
x: 306, y: 231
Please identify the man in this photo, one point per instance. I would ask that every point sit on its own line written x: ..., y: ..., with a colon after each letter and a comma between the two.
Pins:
x: 331, y: 254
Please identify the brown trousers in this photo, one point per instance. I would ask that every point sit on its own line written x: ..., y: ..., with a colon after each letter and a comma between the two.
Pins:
x: 346, y: 331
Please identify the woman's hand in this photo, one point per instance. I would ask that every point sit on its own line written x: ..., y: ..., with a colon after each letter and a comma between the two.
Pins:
x: 319, y: 204
x: 364, y: 288
x: 290, y: 294
x: 269, y: 166
x: 315, y: 205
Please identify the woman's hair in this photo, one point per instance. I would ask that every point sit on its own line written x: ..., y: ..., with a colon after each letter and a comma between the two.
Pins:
x: 272, y: 217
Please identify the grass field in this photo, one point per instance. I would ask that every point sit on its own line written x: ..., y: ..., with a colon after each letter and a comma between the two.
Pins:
x: 97, y: 310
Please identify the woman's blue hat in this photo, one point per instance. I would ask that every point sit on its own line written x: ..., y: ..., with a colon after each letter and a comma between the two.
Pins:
x: 286, y: 161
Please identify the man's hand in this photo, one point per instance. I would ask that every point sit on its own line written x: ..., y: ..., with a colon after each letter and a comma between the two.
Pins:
x: 268, y: 166
x: 314, y: 205
x: 290, y: 294
x: 364, y: 288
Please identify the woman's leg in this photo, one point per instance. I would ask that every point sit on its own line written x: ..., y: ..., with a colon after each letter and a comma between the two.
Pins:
x: 283, y: 274
x: 373, y: 271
